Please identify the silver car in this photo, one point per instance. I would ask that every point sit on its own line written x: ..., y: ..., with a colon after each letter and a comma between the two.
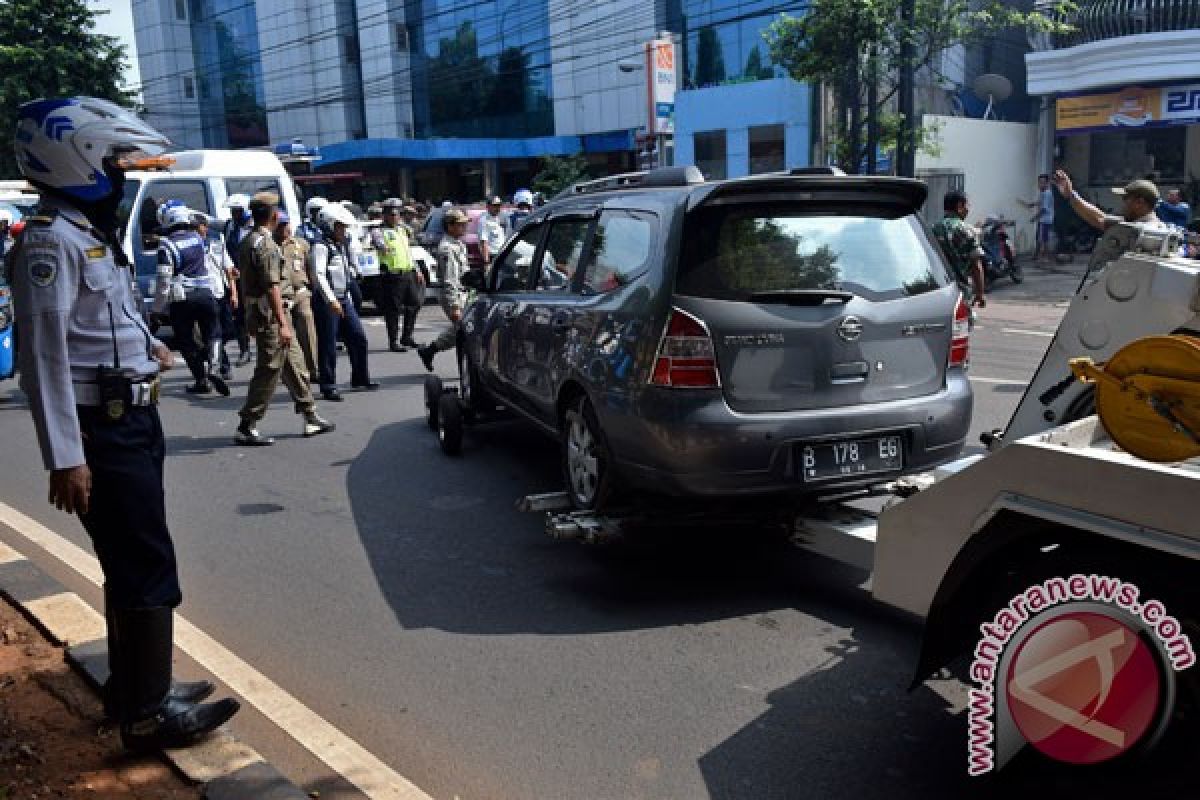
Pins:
x: 790, y: 333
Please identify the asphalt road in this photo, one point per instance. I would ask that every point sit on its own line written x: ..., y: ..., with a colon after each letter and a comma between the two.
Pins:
x: 398, y: 593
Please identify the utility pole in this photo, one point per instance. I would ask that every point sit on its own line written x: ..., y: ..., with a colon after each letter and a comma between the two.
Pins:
x: 906, y: 157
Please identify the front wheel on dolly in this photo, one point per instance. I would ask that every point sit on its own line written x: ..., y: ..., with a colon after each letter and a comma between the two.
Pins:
x: 450, y: 424
x: 433, y: 396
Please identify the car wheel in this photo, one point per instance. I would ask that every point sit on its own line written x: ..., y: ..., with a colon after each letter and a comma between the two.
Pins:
x: 1016, y: 272
x: 450, y: 424
x: 433, y: 396
x: 586, y: 465
x: 476, y: 398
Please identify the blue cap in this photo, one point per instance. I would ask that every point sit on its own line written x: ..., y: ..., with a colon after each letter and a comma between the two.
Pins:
x: 283, y: 217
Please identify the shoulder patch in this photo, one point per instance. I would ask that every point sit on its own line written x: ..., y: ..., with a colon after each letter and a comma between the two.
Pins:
x: 43, y: 271
x: 99, y: 251
x: 41, y: 219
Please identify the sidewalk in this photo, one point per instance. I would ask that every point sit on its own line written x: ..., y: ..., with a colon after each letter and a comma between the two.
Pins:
x: 53, y: 743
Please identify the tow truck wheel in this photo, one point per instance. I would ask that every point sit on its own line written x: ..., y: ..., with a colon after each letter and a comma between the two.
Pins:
x: 450, y: 424
x: 476, y: 398
x: 585, y: 459
x: 433, y: 396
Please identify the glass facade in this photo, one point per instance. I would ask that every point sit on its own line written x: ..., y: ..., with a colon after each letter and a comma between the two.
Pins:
x: 229, y: 73
x: 480, y: 69
x: 723, y: 40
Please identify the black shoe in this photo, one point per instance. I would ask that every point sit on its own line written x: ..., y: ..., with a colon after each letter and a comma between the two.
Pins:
x: 409, y: 343
x: 332, y: 395
x: 369, y: 386
x: 426, y: 357
x: 248, y: 435
x: 397, y: 347
x: 314, y: 424
x: 182, y: 692
x: 177, y: 724
x: 200, y: 388
x: 219, y: 384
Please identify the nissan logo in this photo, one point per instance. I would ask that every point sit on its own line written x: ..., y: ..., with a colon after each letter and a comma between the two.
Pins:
x: 850, y: 329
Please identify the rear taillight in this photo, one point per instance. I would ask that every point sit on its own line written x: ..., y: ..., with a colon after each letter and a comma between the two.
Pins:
x: 960, y: 342
x: 685, y: 358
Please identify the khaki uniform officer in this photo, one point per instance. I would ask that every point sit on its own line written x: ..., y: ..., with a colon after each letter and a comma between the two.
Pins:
x: 267, y: 296
x: 299, y: 273
x: 452, y: 265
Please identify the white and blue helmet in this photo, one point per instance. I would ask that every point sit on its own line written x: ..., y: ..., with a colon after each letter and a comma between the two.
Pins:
x: 523, y: 197
x: 61, y: 144
x: 165, y: 209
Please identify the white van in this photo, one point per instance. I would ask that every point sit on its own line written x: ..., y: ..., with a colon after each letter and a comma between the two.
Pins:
x: 203, y: 180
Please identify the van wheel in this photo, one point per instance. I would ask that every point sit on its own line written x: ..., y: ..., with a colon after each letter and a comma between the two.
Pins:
x: 450, y: 424
x: 433, y: 396
x: 586, y: 465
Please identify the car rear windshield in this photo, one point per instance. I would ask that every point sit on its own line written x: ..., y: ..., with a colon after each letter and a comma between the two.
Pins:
x: 748, y: 252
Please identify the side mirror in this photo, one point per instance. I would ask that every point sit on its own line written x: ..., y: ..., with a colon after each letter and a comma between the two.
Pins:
x: 473, y: 279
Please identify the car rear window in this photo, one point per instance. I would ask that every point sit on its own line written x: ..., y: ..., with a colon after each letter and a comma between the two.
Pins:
x: 733, y: 252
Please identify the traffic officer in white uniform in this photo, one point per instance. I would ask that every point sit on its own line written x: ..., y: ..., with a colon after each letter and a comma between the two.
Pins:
x: 90, y: 370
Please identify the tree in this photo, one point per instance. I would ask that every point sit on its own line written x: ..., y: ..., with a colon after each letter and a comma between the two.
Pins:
x: 460, y: 80
x: 48, y: 49
x: 845, y: 44
x: 755, y: 69
x: 557, y: 173
x: 710, y: 59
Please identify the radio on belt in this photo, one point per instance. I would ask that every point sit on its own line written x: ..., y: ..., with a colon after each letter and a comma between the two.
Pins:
x: 114, y: 383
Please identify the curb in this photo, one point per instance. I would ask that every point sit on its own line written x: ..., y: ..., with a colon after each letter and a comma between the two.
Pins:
x: 226, y: 768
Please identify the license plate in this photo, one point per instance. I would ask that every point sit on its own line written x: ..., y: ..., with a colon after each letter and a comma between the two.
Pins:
x: 850, y: 458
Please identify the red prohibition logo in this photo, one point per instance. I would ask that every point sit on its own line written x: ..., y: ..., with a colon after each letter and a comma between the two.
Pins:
x: 1083, y: 688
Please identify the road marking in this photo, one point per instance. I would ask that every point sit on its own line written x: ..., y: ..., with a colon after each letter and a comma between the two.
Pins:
x: 1023, y: 332
x: 999, y: 381
x: 337, y: 750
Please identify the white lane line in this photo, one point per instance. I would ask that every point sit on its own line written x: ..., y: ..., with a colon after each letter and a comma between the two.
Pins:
x: 998, y: 381
x: 341, y: 753
x: 1024, y: 332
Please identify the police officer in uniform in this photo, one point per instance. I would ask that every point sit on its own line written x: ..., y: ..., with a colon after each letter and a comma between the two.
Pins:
x: 402, y: 286
x: 452, y: 265
x: 185, y: 287
x: 310, y: 230
x: 267, y: 297
x: 333, y: 306
x: 89, y: 367
x: 298, y: 269
x: 237, y: 227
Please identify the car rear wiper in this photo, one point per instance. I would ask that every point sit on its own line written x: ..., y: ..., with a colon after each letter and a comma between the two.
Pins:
x: 802, y: 297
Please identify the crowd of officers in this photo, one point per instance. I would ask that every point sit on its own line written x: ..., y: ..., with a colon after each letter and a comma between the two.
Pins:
x: 296, y: 293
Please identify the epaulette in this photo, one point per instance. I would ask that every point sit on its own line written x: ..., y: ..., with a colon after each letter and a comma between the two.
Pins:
x: 43, y: 216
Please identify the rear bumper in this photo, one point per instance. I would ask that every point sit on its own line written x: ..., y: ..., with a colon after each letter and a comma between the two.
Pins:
x: 692, y: 443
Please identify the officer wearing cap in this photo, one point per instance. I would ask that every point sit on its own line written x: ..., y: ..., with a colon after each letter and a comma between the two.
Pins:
x: 89, y: 367
x: 452, y: 265
x: 493, y: 229
x: 298, y: 272
x: 402, y: 286
x: 1138, y: 201
x: 267, y: 297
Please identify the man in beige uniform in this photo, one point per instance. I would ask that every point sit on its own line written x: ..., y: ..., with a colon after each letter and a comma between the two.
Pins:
x: 268, y: 298
x: 299, y: 273
x: 452, y: 265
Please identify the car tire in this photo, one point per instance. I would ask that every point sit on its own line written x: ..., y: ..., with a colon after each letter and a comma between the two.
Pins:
x: 450, y: 424
x: 586, y: 463
x: 1016, y: 272
x: 476, y: 398
x: 433, y: 396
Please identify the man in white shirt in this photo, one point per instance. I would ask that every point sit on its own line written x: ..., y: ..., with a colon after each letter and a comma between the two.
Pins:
x: 493, y: 229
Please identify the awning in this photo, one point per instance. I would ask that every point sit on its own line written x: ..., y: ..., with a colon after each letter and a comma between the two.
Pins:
x: 326, y: 177
x: 418, y: 151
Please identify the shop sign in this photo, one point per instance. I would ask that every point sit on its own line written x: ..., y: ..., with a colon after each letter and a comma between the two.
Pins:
x: 660, y: 85
x: 1133, y: 107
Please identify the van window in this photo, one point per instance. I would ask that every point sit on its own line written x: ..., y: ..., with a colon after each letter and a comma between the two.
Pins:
x: 125, y: 207
x: 620, y: 250
x: 512, y: 271
x: 252, y: 186
x: 193, y: 193
x: 733, y: 252
x: 564, y: 248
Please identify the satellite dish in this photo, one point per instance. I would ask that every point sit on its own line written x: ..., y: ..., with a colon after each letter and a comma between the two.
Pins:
x: 993, y: 88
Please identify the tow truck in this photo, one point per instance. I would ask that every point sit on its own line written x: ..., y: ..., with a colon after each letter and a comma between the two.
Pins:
x: 1097, y: 475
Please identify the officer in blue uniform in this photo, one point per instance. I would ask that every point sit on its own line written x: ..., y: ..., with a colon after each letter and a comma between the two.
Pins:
x: 185, y: 287
x: 89, y: 367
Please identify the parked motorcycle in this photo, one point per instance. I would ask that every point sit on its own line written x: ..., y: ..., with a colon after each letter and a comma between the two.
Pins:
x: 998, y: 259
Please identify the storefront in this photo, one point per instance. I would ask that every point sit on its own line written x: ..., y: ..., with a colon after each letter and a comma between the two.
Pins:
x: 1108, y: 138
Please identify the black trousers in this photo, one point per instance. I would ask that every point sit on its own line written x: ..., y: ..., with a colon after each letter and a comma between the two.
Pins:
x: 348, y: 328
x: 196, y: 318
x: 127, y: 516
x: 400, y: 292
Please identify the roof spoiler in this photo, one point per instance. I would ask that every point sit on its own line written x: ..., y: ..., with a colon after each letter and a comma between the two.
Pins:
x: 904, y: 195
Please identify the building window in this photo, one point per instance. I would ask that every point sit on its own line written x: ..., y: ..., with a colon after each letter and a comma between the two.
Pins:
x: 1122, y: 156
x: 710, y: 154
x: 350, y: 49
x: 401, y: 36
x: 766, y: 149
x: 181, y: 10
x: 189, y: 87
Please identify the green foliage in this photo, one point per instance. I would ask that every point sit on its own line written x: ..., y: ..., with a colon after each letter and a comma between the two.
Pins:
x: 844, y: 43
x: 756, y: 254
x: 710, y: 59
x: 48, y: 49
x: 559, y: 172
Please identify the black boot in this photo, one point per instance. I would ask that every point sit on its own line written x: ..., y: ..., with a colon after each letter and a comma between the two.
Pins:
x: 410, y: 325
x: 151, y: 718
x: 110, y: 692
